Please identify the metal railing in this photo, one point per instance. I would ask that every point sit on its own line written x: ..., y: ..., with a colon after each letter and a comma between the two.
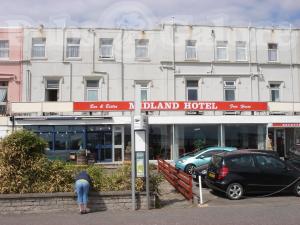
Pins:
x: 180, y: 180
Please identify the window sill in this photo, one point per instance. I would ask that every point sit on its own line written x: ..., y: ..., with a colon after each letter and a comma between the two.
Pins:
x: 39, y: 58
x: 242, y: 61
x: 142, y: 59
x: 191, y: 60
x: 274, y: 62
x: 106, y: 59
x: 4, y: 59
x: 73, y: 59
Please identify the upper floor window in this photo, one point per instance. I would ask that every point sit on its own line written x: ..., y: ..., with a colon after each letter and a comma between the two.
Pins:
x: 38, y: 47
x: 229, y: 90
x: 106, y: 48
x: 52, y: 90
x: 241, y: 51
x: 272, y: 52
x: 144, y: 89
x: 92, y: 90
x: 4, y: 49
x: 192, y: 90
x: 141, y: 48
x: 73, y: 47
x: 274, y: 92
x: 3, y: 91
x: 190, y: 50
x: 222, y: 50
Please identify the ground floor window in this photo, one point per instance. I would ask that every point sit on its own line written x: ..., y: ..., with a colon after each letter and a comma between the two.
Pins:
x: 245, y: 136
x: 160, y: 141
x: 191, y: 137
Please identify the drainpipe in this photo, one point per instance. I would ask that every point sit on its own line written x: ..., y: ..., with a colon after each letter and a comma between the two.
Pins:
x: 291, y: 68
x: 174, y: 57
x: 94, y: 66
x: 257, y: 67
x: 71, y: 81
x: 249, y: 53
x: 122, y: 64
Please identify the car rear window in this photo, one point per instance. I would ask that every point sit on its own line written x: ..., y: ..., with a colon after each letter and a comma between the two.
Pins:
x: 216, y: 161
x: 244, y: 161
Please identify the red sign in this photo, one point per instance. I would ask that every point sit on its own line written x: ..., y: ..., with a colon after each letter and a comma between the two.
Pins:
x: 103, y: 106
x: 171, y: 106
x: 286, y: 125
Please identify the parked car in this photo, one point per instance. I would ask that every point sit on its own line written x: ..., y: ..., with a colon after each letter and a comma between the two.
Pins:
x: 243, y: 172
x: 189, y: 162
x: 200, y: 171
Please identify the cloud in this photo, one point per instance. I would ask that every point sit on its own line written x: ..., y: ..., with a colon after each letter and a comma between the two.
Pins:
x: 147, y: 13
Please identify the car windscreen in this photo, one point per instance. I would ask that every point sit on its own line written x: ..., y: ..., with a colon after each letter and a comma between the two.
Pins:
x: 197, y: 152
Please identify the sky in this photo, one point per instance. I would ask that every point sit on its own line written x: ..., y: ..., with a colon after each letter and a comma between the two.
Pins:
x: 145, y: 14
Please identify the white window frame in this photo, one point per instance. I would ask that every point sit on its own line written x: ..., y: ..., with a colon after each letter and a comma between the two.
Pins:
x: 98, y: 89
x: 144, y: 86
x: 191, y: 47
x: 271, y: 50
x: 5, y: 50
x: 145, y: 46
x: 59, y: 87
x: 192, y: 88
x: 101, y: 56
x: 222, y: 45
x: 38, y: 45
x: 229, y: 85
x: 73, y: 45
x: 243, y: 48
x: 278, y: 88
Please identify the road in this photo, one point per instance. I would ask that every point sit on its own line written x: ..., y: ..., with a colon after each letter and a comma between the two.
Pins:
x: 278, y: 213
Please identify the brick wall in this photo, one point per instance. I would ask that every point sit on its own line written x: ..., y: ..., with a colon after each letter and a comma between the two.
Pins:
x: 55, y: 202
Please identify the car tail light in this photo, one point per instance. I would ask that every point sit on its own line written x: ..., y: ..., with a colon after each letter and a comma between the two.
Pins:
x: 223, y: 172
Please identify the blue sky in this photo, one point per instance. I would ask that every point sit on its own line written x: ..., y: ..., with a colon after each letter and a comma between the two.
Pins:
x: 149, y: 13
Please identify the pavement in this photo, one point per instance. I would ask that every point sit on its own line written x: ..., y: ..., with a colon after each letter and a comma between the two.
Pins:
x: 176, y: 210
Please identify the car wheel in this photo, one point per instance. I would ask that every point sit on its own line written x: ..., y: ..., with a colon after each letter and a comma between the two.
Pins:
x: 190, y: 168
x: 297, y: 189
x: 234, y: 191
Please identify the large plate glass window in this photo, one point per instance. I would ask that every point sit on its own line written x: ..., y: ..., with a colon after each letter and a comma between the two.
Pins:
x: 73, y: 47
x: 4, y: 49
x: 38, y: 47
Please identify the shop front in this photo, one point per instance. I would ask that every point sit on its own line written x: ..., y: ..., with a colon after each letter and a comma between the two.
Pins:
x: 284, y: 138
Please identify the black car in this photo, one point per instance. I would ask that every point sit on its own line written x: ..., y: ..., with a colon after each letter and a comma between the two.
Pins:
x: 243, y: 172
x: 200, y: 171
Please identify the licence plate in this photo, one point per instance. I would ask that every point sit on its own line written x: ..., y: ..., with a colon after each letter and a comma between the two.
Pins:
x: 212, y: 175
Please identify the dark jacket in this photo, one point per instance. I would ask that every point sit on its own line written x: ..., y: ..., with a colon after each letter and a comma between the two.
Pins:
x: 84, y: 175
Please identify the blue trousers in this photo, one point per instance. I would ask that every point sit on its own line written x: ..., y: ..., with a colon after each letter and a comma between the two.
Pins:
x: 82, y: 190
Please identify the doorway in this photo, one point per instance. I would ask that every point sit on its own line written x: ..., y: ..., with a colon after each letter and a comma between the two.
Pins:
x: 277, y: 139
x: 100, y: 144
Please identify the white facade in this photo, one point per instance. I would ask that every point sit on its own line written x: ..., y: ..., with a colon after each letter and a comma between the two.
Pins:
x: 172, y: 63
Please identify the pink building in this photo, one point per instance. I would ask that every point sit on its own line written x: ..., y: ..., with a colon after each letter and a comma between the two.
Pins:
x: 11, y: 55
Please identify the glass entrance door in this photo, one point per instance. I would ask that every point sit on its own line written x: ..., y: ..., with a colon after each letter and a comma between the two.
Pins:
x: 279, y: 141
x: 99, y: 142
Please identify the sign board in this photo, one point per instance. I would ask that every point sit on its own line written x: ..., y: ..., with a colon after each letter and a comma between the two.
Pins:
x: 140, y: 164
x: 140, y: 140
x: 285, y: 124
x: 171, y: 106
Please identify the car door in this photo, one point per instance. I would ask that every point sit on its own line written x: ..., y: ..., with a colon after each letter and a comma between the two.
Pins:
x: 274, y: 174
x: 243, y: 170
